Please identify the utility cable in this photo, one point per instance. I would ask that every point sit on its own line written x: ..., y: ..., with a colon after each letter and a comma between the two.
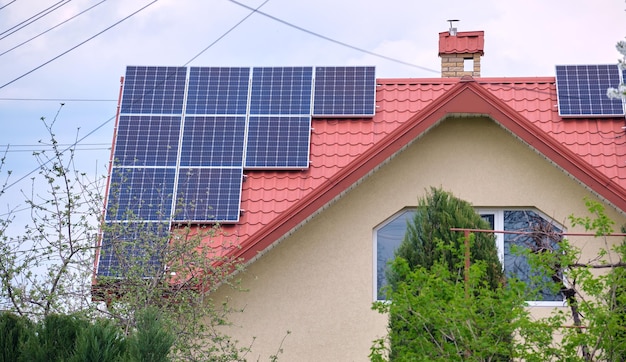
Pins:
x: 113, y: 117
x: 52, y: 28
x: 34, y: 18
x: 310, y: 32
x: 79, y: 44
x: 7, y: 4
x: 254, y: 10
x: 59, y: 99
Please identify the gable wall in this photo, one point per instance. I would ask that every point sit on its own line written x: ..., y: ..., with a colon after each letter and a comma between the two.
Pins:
x: 318, y: 284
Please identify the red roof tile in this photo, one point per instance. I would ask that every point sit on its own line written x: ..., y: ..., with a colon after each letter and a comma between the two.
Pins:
x: 343, y: 151
x: 469, y: 42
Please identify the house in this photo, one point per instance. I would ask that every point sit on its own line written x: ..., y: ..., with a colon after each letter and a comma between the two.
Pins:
x: 314, y: 239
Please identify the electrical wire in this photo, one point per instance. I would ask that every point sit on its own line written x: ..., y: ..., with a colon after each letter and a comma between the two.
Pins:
x: 7, y: 4
x: 52, y: 28
x: 34, y: 18
x: 8, y: 186
x: 310, y: 32
x: 79, y: 44
x: 65, y: 150
x: 59, y: 99
x: 254, y: 10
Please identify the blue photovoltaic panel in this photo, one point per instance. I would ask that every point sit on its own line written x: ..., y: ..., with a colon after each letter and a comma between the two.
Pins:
x: 209, y: 194
x: 345, y: 91
x: 140, y: 194
x: 155, y: 90
x: 147, y: 140
x: 285, y: 90
x: 132, y: 247
x: 278, y: 142
x: 582, y: 90
x: 218, y: 90
x: 213, y: 141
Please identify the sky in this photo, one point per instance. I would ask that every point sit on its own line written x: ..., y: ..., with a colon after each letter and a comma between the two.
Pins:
x: 50, y: 53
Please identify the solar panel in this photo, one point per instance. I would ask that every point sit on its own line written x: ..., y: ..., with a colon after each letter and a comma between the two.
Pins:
x: 218, y: 91
x: 581, y: 90
x: 345, y: 92
x: 184, y: 137
x: 234, y: 118
x: 156, y: 90
x: 140, y: 194
x: 284, y: 90
x: 208, y: 194
x: 278, y: 142
x: 147, y: 140
x: 135, y: 247
x: 213, y: 141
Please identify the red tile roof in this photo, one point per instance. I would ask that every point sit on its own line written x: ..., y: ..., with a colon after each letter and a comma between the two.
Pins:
x: 468, y: 42
x: 345, y: 150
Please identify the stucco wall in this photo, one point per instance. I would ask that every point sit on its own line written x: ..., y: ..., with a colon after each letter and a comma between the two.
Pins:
x: 318, y: 282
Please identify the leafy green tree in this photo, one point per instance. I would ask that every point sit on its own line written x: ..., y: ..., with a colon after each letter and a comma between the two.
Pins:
x: 46, y: 265
x: 592, y: 326
x: 620, y: 90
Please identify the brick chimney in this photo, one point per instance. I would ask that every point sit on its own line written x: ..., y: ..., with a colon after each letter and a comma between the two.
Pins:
x: 460, y: 52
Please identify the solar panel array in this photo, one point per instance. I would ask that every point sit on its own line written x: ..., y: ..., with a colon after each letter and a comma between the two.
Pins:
x: 582, y: 90
x: 185, y: 135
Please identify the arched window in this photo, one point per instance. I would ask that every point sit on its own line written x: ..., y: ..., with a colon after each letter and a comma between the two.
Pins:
x: 389, y: 234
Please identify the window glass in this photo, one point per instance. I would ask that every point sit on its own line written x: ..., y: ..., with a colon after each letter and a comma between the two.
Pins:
x: 516, y: 265
x: 388, y: 238
x: 389, y: 235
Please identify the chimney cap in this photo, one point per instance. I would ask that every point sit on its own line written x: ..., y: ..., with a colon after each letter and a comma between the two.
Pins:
x: 464, y: 42
x: 452, y: 28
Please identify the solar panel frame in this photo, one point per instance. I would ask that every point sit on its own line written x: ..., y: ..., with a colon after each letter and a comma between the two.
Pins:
x: 132, y: 247
x: 281, y: 90
x: 344, y: 92
x: 153, y: 90
x: 218, y: 90
x: 278, y: 142
x: 582, y: 90
x: 213, y: 141
x: 155, y: 137
x: 140, y: 193
x: 208, y: 194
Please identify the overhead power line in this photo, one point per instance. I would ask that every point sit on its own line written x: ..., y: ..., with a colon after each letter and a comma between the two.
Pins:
x: 310, y: 32
x: 113, y: 117
x: 34, y: 18
x: 52, y: 28
x: 254, y: 10
x: 79, y: 44
x: 7, y: 4
x: 59, y: 99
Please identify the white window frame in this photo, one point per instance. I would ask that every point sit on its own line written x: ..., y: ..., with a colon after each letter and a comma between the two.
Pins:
x: 498, y: 225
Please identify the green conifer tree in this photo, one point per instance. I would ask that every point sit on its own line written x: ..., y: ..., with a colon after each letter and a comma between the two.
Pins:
x: 437, y: 213
x: 54, y: 338
x: 434, y: 315
x: 152, y: 340
x: 101, y: 341
x: 13, y: 331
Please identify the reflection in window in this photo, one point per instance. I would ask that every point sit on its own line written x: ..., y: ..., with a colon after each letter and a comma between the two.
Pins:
x: 389, y: 236
x: 516, y: 265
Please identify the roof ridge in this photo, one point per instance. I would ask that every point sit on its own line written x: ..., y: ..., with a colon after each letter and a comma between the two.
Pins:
x: 467, y: 97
